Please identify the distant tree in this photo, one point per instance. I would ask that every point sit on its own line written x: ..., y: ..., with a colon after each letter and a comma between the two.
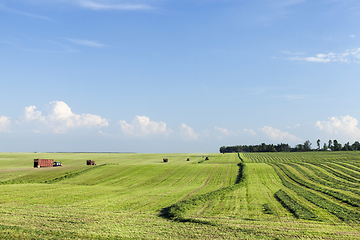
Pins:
x: 270, y: 148
x: 330, y: 145
x: 355, y: 146
x: 299, y: 148
x: 307, y: 145
x: 336, y: 146
x: 222, y: 149
x: 347, y: 147
x: 318, y: 144
x: 325, y: 148
x: 283, y: 147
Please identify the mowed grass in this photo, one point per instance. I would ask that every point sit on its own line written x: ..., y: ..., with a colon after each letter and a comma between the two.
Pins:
x: 124, y: 196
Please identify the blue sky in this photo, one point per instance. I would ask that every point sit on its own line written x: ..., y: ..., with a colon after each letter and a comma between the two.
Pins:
x: 177, y: 76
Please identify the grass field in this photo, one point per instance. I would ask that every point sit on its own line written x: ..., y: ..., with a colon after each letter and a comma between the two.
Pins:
x: 310, y: 195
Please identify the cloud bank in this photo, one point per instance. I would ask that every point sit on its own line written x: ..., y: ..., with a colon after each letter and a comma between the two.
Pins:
x: 278, y: 135
x: 141, y: 126
x: 86, y: 43
x: 4, y: 124
x: 348, y: 56
x: 61, y: 119
x: 188, y: 133
x: 111, y: 5
x: 344, y: 127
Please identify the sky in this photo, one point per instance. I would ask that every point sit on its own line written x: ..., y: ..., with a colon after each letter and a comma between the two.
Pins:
x: 171, y: 76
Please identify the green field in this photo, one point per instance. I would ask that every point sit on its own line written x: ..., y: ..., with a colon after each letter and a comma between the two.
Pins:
x: 310, y: 195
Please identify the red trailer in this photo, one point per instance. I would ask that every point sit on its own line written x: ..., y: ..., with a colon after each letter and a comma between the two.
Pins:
x: 43, y: 163
x: 90, y: 162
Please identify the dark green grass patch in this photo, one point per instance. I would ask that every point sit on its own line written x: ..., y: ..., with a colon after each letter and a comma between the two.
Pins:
x: 267, y: 209
x: 294, y: 207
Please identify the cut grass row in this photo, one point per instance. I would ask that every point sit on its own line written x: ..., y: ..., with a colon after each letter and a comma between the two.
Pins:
x: 294, y: 207
x: 329, y: 182
x: 56, y: 179
x: 177, y: 211
x: 337, y: 173
x: 323, y: 174
x: 343, y: 169
x: 335, y: 194
x: 343, y: 213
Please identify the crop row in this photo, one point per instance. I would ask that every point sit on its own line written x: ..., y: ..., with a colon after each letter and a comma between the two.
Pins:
x: 350, y: 166
x: 326, y: 176
x: 319, y: 156
x: 240, y: 157
x: 344, y: 170
x: 354, y: 163
x: 53, y: 180
x: 72, y: 174
x: 339, y: 211
x: 336, y: 173
x: 294, y: 207
x: 177, y: 211
x: 328, y: 182
x: 340, y: 196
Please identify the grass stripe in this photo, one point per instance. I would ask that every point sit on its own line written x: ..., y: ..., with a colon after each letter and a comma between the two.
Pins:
x: 294, y: 207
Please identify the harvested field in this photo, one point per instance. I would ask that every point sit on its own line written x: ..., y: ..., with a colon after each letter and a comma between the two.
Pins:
x: 230, y: 196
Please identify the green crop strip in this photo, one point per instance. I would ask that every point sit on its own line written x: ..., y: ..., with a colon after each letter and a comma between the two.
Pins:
x: 338, y: 174
x: 294, y: 207
x: 240, y: 157
x: 341, y: 212
x: 344, y: 170
x: 7, y: 232
x: 327, y: 183
x: 348, y: 165
x: 53, y: 180
x: 72, y: 174
x: 177, y: 211
x: 340, y: 196
x: 327, y: 177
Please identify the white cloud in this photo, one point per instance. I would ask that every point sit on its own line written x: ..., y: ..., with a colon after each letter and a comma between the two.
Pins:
x: 347, y: 56
x: 31, y: 114
x: 61, y: 119
x: 252, y: 132
x: 142, y: 126
x: 278, y: 135
x: 223, y: 130
x: 187, y: 133
x: 10, y: 10
x: 291, y: 53
x: 344, y: 127
x: 99, y: 5
x: 295, y: 126
x: 86, y: 43
x: 111, y: 5
x: 4, y: 124
x: 352, y: 36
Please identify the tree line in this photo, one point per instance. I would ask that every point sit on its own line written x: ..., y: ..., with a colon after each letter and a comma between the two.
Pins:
x: 331, y: 145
